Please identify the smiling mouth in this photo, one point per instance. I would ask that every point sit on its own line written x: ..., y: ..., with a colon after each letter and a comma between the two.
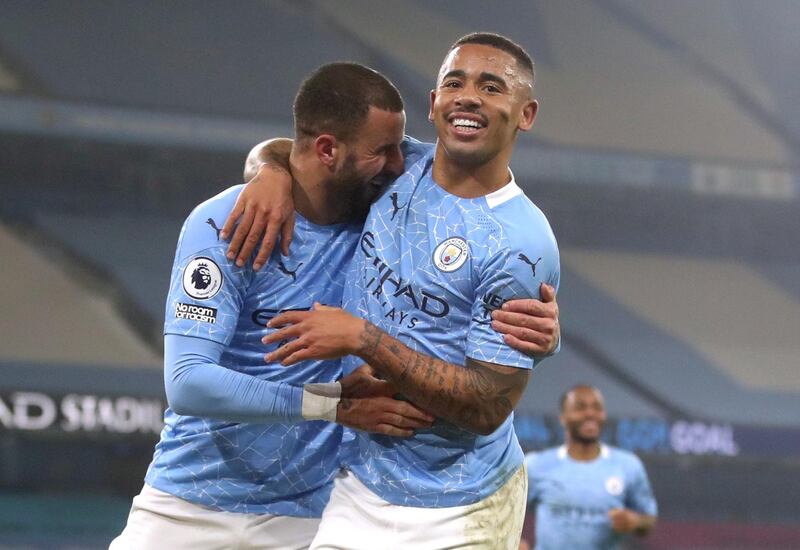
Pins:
x: 466, y: 126
x: 591, y: 424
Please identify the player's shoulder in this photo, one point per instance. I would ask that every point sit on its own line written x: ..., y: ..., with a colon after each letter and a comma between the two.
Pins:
x: 202, y: 227
x: 543, y: 458
x: 219, y: 205
x: 417, y: 156
x: 515, y: 229
x: 624, y: 457
x: 413, y: 148
x: 417, y: 159
x: 511, y: 208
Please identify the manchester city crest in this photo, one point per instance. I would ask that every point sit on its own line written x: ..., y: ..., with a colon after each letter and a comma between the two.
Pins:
x: 450, y: 254
x: 615, y: 486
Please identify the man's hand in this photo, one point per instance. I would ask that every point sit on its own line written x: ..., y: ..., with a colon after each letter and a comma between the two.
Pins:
x: 362, y: 382
x: 530, y: 326
x: 476, y: 396
x: 367, y: 405
x: 382, y: 415
x: 628, y: 521
x: 322, y: 333
x: 264, y: 208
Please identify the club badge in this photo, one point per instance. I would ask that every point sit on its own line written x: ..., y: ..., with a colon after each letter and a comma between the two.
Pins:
x: 450, y: 254
x: 615, y: 486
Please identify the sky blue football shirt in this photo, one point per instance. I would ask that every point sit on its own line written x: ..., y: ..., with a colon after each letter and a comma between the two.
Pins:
x: 248, y: 452
x: 429, y: 269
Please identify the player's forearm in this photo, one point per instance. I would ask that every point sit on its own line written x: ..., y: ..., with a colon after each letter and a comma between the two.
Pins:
x: 197, y: 385
x: 472, y: 397
x: 212, y: 391
x: 272, y: 154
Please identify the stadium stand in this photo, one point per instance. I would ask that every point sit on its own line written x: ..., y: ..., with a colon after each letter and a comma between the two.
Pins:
x: 717, y: 334
x: 42, y: 289
x: 549, y: 381
x: 142, y: 266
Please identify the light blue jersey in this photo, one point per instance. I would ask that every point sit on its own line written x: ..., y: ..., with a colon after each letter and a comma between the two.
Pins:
x: 242, y: 448
x: 429, y: 269
x: 573, y: 498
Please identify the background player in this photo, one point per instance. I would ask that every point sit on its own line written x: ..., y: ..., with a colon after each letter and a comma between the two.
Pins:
x: 441, y: 249
x: 587, y: 494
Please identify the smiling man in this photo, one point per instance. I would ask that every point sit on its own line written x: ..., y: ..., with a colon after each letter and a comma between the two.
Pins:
x: 446, y: 245
x: 587, y: 495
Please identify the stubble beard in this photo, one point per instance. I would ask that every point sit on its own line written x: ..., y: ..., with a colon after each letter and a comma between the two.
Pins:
x: 351, y: 195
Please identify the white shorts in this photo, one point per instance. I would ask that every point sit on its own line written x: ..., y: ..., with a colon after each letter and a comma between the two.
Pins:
x: 357, y: 519
x: 159, y: 520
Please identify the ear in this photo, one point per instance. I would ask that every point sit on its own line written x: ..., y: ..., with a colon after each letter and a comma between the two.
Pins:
x: 326, y: 146
x: 529, y: 111
x: 433, y: 99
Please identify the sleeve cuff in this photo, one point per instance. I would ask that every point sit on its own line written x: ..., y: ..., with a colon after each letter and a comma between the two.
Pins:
x: 320, y: 401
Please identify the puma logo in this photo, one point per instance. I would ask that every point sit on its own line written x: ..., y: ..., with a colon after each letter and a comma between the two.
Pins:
x: 395, y: 206
x: 525, y: 259
x: 283, y: 269
x: 213, y: 225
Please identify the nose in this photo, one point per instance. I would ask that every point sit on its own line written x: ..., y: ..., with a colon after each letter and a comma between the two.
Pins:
x: 468, y: 97
x: 394, y: 161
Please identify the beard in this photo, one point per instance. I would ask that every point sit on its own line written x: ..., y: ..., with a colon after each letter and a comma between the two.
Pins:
x: 354, y: 192
x: 576, y: 435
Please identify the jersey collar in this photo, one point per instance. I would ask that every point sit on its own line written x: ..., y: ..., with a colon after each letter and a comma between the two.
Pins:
x: 562, y: 452
x: 505, y: 193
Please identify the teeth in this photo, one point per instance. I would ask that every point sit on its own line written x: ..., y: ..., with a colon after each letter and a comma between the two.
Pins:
x: 465, y: 122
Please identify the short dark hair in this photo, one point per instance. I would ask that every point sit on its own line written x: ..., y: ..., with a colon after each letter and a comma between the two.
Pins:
x: 335, y: 99
x: 500, y: 42
x: 564, y: 395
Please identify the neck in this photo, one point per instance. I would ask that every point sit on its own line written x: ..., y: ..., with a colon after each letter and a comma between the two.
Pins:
x: 583, y: 451
x: 470, y: 180
x: 313, y: 198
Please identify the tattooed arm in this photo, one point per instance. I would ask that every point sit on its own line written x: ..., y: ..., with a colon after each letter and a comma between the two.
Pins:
x: 477, y: 396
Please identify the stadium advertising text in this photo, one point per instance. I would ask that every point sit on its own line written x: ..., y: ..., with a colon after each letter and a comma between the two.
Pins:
x: 647, y: 435
x: 34, y: 411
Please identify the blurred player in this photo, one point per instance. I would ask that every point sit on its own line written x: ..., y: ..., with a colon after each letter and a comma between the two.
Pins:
x: 249, y: 449
x: 587, y: 494
x: 449, y: 242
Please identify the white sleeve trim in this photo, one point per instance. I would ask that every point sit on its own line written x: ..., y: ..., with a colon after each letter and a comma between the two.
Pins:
x: 320, y: 401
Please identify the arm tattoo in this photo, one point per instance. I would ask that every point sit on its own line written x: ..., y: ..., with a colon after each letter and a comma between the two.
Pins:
x: 371, y: 338
x: 276, y: 155
x: 477, y: 397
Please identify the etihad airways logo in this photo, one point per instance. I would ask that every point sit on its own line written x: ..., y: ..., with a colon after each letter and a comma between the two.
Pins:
x: 388, y: 283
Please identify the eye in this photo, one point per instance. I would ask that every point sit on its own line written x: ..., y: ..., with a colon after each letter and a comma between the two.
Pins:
x: 451, y: 84
x: 492, y: 89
